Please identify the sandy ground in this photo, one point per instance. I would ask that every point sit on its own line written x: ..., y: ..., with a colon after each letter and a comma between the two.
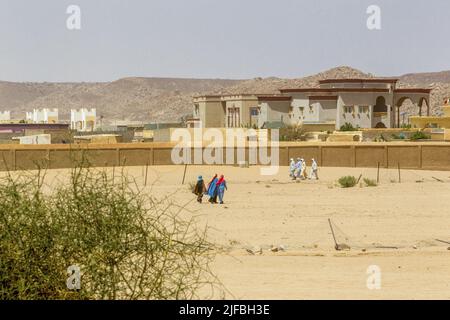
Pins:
x: 265, y: 211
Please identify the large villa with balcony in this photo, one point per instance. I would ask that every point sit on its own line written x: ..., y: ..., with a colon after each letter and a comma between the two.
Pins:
x: 364, y: 103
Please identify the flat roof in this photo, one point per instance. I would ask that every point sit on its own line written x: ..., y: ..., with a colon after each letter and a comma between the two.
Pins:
x: 32, y: 135
x: 226, y: 95
x: 334, y: 90
x: 16, y: 125
x: 323, y: 97
x: 429, y: 117
x: 162, y: 125
x: 103, y: 135
x: 413, y: 90
x: 353, y: 80
x: 36, y: 124
x: 207, y: 96
x: 274, y: 98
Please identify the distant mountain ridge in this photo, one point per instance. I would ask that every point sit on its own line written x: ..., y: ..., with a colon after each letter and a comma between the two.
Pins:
x: 426, y: 77
x: 168, y: 99
x: 145, y: 99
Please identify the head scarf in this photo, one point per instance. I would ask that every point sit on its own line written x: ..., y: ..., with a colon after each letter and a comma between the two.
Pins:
x: 215, y: 176
x: 220, y: 180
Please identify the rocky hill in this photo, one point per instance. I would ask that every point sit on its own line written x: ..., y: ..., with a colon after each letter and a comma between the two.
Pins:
x: 168, y: 99
x: 272, y: 85
x: 141, y: 99
x: 427, y: 78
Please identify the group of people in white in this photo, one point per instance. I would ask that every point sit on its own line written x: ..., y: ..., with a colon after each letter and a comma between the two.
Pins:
x: 297, y: 169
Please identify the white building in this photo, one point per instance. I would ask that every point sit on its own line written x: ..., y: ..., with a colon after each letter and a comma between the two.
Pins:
x: 83, y: 119
x: 42, y: 116
x: 34, y: 139
x: 5, y: 115
x: 358, y: 102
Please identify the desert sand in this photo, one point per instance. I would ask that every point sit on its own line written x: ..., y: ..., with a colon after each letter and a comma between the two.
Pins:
x: 265, y: 211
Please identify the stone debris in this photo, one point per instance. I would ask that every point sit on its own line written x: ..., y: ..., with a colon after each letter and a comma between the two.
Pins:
x: 255, y: 250
x: 278, y: 248
x: 342, y: 246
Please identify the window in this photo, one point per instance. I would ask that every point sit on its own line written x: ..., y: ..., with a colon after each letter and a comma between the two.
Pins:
x: 291, y: 112
x: 302, y: 111
x: 254, y: 111
x: 196, y: 110
x: 363, y: 109
x: 348, y: 109
x: 233, y: 117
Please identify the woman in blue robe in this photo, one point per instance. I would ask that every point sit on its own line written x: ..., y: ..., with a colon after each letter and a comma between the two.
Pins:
x: 212, y: 188
x: 221, y: 187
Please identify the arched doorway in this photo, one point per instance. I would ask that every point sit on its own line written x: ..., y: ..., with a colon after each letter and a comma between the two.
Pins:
x: 422, y: 102
x: 407, y: 106
x: 380, y: 113
x: 380, y: 105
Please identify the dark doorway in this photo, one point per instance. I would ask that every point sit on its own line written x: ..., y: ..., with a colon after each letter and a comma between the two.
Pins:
x: 380, y: 106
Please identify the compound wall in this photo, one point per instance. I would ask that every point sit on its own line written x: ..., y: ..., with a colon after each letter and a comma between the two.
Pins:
x: 433, y: 156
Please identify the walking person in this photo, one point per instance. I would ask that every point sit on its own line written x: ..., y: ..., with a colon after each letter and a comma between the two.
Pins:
x: 221, y: 187
x: 200, y: 189
x: 212, y: 188
x: 303, y: 170
x: 291, y: 168
x: 298, y: 169
x: 314, y: 170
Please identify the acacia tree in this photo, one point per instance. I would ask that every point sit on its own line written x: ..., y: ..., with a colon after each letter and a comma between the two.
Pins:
x: 128, y: 245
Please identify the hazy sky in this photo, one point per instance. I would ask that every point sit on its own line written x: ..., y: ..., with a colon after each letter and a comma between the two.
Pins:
x: 219, y: 39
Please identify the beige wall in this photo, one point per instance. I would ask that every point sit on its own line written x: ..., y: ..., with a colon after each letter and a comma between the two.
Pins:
x: 275, y: 111
x: 434, y: 156
x: 215, y: 115
x: 424, y: 122
x: 446, y: 111
x: 211, y: 112
x: 317, y: 127
x: 325, y: 110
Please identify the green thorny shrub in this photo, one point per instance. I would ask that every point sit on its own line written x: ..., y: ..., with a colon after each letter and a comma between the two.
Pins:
x: 370, y: 182
x: 347, y: 181
x: 127, y: 244
x: 291, y: 133
x: 348, y: 127
x: 419, y: 135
